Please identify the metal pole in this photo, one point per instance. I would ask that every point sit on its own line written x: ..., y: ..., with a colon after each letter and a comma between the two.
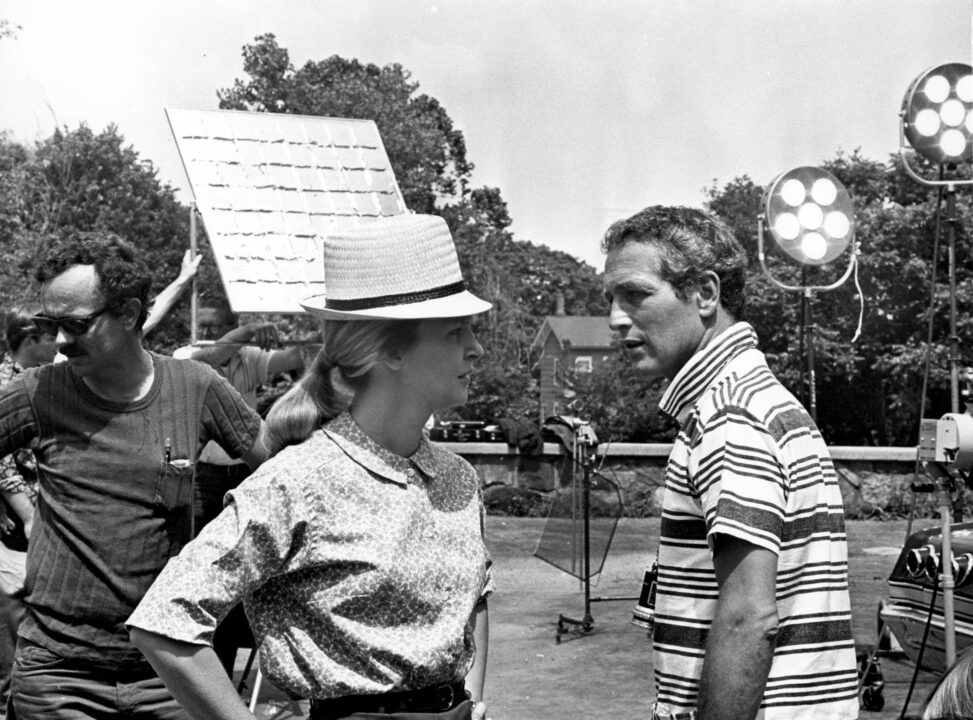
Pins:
x: 192, y: 254
x: 807, y: 298
x: 946, y: 558
x: 949, y: 616
x: 802, y: 341
x: 586, y: 509
x: 953, y: 336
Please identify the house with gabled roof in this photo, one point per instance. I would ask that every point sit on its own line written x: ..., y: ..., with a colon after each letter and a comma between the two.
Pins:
x: 569, y: 344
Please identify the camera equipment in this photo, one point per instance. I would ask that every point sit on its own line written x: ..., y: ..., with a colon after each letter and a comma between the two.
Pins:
x: 466, y: 431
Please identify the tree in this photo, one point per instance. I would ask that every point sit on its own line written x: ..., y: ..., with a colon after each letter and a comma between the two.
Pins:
x: 522, y: 280
x: 620, y: 405
x: 78, y: 180
x: 7, y: 29
x: 427, y: 153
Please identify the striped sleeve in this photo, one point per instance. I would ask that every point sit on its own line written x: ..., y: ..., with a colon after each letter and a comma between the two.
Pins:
x: 740, y: 483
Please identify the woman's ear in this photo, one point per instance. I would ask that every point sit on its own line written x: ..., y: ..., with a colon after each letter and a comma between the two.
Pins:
x: 393, y: 360
x: 708, y: 294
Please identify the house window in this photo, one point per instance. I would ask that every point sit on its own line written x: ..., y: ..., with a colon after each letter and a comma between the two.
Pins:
x: 582, y: 364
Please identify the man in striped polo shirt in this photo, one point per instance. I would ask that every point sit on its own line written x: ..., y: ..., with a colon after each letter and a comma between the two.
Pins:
x: 753, y: 616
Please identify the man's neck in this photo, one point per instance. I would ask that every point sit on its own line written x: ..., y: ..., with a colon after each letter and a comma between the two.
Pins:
x: 721, y: 322
x: 128, y: 381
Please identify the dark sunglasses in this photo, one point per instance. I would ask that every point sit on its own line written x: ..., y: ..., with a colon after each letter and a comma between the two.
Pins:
x: 71, y: 325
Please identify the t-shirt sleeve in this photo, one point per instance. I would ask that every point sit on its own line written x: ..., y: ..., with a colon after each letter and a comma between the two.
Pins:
x: 257, y: 362
x: 740, y: 481
x: 234, y: 555
x: 227, y: 419
x: 17, y: 422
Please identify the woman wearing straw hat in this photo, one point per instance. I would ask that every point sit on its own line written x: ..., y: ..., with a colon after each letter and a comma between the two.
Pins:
x: 358, y: 548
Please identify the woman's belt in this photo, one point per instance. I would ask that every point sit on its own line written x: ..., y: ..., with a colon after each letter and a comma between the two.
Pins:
x: 431, y: 700
x: 234, y: 470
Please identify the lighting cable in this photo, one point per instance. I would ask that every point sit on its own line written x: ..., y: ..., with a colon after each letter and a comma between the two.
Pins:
x: 861, y: 298
x: 922, y: 648
x: 928, y: 355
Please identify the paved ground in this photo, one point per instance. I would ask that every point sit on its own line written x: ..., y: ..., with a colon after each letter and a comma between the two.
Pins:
x: 605, y: 674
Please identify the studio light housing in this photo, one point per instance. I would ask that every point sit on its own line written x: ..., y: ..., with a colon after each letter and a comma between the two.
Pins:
x: 810, y: 215
x: 937, y: 114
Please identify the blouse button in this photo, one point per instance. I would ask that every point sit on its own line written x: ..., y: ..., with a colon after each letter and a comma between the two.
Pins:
x: 410, y: 472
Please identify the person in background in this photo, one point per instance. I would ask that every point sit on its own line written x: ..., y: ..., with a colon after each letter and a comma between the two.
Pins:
x: 752, y: 615
x: 27, y: 347
x: 358, y: 548
x: 248, y: 357
x: 164, y: 301
x: 115, y: 431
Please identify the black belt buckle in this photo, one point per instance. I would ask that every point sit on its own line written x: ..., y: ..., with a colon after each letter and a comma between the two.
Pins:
x: 444, y: 698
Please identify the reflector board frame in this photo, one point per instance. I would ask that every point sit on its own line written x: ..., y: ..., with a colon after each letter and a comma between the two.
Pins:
x: 270, y: 187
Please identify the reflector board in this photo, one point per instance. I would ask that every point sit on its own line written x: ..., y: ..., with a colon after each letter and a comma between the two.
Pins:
x: 270, y: 187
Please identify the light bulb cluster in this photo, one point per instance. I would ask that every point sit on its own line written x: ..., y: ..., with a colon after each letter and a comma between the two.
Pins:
x: 810, y: 215
x: 937, y: 114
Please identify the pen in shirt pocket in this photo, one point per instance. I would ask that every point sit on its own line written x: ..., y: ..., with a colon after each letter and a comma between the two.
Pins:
x: 178, y: 463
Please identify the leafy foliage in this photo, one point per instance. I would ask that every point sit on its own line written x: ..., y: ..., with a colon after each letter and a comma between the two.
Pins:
x: 427, y: 153
x: 81, y: 180
x: 620, y: 405
x: 7, y: 29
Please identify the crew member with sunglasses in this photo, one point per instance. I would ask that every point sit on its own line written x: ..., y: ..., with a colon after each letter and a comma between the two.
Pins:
x: 116, y: 431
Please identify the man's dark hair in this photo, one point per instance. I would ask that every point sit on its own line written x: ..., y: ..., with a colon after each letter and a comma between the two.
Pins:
x: 19, y: 325
x: 690, y: 242
x: 121, y: 274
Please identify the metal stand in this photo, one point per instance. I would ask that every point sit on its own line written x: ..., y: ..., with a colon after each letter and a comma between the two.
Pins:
x: 807, y: 291
x: 948, y: 488
x: 580, y: 444
x: 584, y: 458
x: 807, y: 314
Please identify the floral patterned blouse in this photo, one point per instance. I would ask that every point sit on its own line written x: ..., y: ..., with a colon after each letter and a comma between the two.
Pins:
x: 359, y: 569
x: 17, y: 471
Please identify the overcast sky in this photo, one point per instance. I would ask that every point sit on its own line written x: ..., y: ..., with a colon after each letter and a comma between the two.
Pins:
x: 580, y: 112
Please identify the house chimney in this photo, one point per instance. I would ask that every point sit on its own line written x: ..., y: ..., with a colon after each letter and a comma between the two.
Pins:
x: 559, y: 303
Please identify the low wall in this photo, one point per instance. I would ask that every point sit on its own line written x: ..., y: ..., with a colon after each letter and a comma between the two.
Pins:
x: 875, y: 481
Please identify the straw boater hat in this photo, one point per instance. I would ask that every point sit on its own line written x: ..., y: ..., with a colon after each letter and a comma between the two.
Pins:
x: 402, y: 267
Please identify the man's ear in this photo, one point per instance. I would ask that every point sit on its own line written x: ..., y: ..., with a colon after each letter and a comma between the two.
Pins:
x: 130, y: 312
x: 708, y: 294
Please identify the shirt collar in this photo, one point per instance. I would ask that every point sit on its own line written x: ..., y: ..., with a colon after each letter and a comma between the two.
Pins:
x: 703, y: 367
x: 353, y: 441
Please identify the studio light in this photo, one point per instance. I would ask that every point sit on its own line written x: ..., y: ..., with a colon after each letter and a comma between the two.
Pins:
x: 937, y: 124
x: 937, y: 114
x: 809, y: 214
x: 811, y: 217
